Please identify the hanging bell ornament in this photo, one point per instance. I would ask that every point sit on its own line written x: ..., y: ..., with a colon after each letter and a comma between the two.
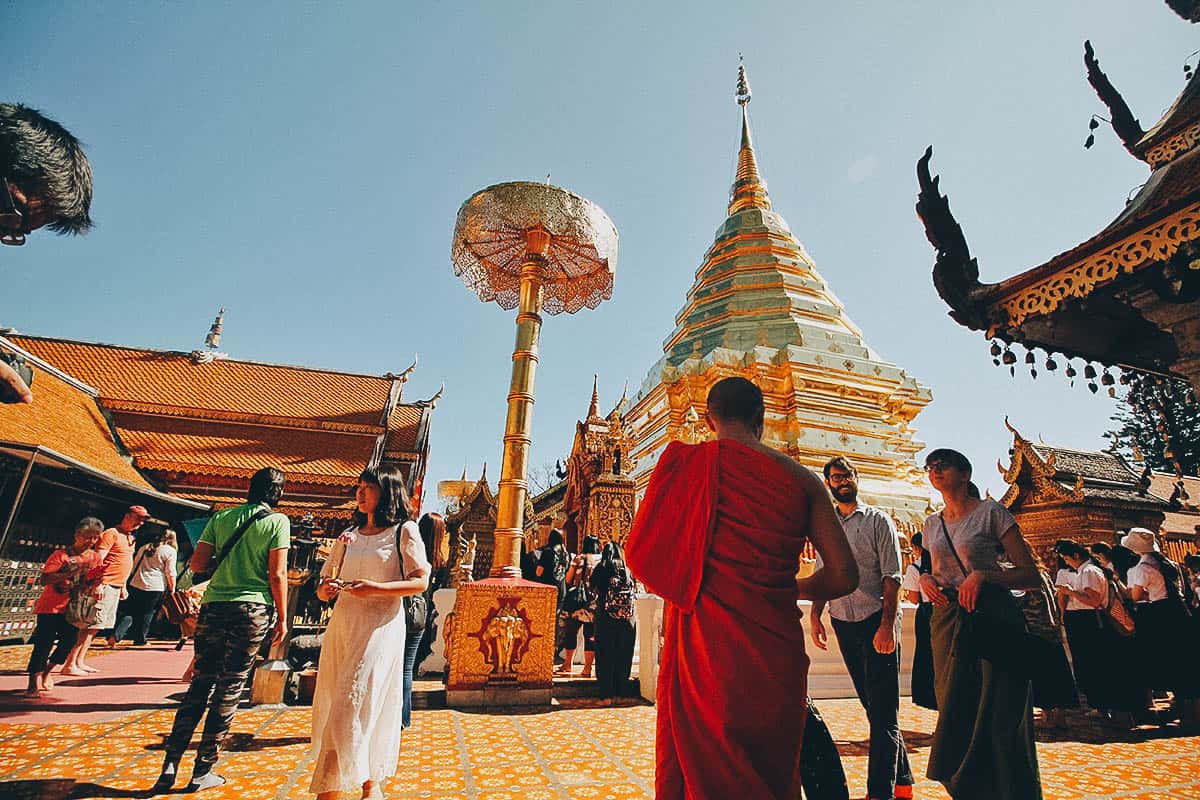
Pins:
x: 1107, y: 379
x: 996, y: 349
x: 1029, y: 357
x: 1089, y: 372
x: 1009, y: 358
x: 1051, y: 364
x: 1124, y: 379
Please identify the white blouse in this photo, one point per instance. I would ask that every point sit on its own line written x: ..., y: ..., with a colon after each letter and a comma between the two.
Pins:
x: 911, y: 582
x: 1088, y: 576
x: 1146, y: 575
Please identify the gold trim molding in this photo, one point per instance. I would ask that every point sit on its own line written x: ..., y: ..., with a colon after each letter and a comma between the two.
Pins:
x: 1173, y: 147
x: 1079, y: 280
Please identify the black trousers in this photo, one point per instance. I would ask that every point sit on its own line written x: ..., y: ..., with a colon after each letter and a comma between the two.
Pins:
x: 53, y: 633
x: 876, y: 679
x: 614, y: 654
x: 135, y: 614
x: 821, y: 772
x: 228, y: 637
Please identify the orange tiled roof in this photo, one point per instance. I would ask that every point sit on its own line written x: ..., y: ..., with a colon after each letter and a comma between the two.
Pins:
x: 68, y: 421
x: 206, y: 448
x: 169, y: 378
x: 331, y: 507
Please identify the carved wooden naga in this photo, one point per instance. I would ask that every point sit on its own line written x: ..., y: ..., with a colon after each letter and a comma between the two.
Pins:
x: 955, y: 272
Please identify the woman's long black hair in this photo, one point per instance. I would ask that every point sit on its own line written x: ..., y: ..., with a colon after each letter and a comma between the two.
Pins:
x: 395, y: 507
x: 613, y: 557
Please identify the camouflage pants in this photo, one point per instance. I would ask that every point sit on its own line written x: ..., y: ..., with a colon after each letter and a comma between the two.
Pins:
x: 228, y: 637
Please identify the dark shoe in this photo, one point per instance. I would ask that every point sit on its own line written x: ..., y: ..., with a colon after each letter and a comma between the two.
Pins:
x: 207, y: 780
x: 166, y: 778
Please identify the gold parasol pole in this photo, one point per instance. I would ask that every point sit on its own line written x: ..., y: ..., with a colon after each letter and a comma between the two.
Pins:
x: 518, y: 424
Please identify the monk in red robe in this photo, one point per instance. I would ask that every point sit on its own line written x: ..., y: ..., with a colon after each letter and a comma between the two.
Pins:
x: 718, y: 536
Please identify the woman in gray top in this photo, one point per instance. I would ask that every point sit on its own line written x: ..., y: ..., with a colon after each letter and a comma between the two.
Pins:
x: 983, y: 746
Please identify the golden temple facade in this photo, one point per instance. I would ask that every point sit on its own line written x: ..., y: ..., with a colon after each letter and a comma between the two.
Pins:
x: 759, y: 309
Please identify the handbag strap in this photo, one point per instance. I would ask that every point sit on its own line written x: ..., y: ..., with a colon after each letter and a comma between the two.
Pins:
x: 237, y: 537
x: 141, y: 557
x: 953, y: 549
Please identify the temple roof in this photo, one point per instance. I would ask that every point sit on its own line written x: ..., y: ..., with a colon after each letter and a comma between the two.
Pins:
x: 67, y: 420
x: 204, y: 426
x: 1052, y: 473
x: 1162, y: 218
x: 1184, y: 516
x: 228, y: 387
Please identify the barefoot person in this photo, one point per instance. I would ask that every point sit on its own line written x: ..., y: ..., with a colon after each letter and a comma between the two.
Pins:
x: 718, y: 537
x: 116, y: 554
x: 244, y: 602
x: 54, y: 637
x: 357, y: 714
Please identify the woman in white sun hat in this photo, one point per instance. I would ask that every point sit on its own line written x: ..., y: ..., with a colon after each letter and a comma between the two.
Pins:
x: 1165, y: 647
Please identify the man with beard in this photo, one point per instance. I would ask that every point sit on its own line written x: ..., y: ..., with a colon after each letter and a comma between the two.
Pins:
x: 868, y: 630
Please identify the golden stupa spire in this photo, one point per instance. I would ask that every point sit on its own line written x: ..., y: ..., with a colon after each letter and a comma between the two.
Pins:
x: 749, y: 190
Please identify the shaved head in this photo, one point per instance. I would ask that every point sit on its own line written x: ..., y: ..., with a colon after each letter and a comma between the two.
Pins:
x: 736, y: 400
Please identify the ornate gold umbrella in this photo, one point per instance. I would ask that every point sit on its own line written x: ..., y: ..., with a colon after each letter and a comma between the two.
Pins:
x: 542, y: 249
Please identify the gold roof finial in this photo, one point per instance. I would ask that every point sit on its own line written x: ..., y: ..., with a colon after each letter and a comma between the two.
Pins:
x: 749, y: 190
x: 594, y: 408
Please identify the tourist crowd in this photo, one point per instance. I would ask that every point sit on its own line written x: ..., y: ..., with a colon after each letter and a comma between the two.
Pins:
x: 718, y: 536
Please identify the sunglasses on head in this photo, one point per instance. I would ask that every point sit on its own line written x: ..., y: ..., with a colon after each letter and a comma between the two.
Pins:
x: 12, y: 221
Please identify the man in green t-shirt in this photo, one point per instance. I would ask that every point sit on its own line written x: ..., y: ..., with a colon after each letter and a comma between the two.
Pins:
x: 246, y: 597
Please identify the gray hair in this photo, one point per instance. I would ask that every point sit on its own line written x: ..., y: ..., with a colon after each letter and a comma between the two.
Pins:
x: 89, y: 525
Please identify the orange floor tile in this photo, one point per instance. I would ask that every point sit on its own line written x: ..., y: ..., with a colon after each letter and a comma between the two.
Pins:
x: 577, y: 751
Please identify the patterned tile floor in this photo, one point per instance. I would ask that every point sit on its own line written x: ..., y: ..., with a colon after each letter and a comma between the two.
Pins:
x: 578, y: 751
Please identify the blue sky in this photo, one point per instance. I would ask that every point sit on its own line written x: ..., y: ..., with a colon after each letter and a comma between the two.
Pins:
x: 301, y: 165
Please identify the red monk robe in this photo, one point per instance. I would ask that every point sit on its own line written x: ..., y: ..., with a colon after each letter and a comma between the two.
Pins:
x: 718, y: 537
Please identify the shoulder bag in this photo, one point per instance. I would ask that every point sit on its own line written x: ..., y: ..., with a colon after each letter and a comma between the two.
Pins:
x: 179, y: 605
x: 579, y: 602
x: 416, y: 606
x: 1116, y: 613
x: 81, y: 606
x: 219, y: 558
x: 1012, y: 634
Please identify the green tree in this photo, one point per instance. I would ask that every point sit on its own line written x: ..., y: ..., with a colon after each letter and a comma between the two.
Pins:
x: 1159, y: 423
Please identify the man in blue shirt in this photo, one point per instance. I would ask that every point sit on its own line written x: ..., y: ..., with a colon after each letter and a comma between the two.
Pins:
x: 246, y: 597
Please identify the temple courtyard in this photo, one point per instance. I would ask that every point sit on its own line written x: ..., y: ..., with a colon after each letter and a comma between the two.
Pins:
x: 103, y: 738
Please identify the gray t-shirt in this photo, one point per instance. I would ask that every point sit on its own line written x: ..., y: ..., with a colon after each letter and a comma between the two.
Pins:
x: 876, y: 548
x: 976, y: 537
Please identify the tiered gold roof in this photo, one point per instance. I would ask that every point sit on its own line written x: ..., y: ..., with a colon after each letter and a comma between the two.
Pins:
x: 758, y: 308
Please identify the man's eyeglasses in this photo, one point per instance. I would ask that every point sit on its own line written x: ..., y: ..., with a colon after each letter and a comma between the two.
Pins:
x: 842, y: 478
x: 12, y: 221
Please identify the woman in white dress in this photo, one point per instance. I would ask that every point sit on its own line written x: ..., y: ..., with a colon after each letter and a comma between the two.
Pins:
x: 357, y: 706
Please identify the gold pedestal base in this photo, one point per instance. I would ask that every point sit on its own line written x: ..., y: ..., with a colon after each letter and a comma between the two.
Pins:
x: 501, y: 648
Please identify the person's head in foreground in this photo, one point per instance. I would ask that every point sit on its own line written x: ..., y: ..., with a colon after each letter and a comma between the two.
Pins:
x: 45, y: 178
x: 735, y: 406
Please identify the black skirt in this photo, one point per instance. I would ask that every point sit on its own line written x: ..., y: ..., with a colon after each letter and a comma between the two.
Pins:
x: 922, y: 665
